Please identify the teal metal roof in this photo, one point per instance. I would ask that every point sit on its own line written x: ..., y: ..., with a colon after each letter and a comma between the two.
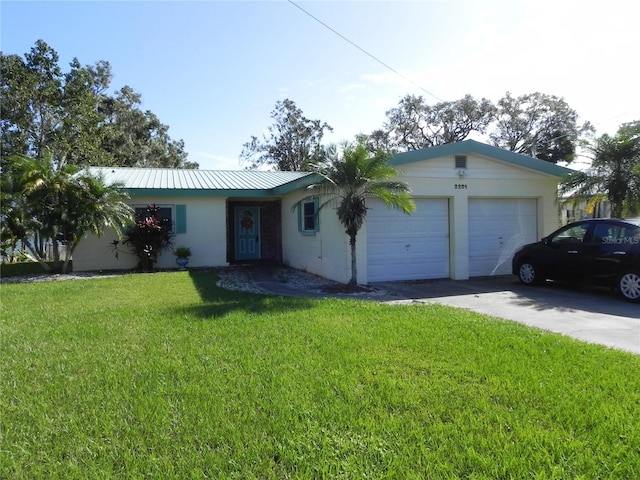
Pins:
x: 256, y: 183
x: 204, y: 182
x: 471, y: 146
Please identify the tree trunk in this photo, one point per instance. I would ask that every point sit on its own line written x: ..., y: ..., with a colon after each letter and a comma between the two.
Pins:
x: 68, y: 251
x: 35, y: 253
x: 55, y: 246
x: 354, y: 270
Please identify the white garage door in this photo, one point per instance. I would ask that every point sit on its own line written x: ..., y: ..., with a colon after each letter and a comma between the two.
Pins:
x: 497, y: 228
x: 408, y: 247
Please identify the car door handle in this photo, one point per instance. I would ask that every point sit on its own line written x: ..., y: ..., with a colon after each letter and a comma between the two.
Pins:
x: 573, y: 251
x: 619, y: 253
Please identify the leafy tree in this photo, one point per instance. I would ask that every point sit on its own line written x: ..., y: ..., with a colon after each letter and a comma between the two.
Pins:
x: 353, y: 177
x: 414, y: 124
x: 539, y: 125
x: 17, y: 221
x: 69, y: 115
x: 41, y: 204
x: 45, y: 110
x: 136, y: 138
x: 614, y: 171
x: 148, y: 237
x: 376, y: 140
x: 293, y: 143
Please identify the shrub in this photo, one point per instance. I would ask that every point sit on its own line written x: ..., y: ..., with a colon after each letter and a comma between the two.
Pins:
x: 182, y: 252
x: 148, y: 237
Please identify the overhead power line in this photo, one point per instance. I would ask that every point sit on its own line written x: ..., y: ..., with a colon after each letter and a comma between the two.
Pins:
x: 363, y: 50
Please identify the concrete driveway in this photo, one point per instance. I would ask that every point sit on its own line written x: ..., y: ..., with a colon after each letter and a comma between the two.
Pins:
x: 590, y: 314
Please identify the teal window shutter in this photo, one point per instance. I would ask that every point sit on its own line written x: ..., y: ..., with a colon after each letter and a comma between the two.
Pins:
x: 181, y: 219
x: 316, y: 209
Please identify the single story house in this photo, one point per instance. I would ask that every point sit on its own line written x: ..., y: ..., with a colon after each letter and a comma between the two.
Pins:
x: 476, y: 204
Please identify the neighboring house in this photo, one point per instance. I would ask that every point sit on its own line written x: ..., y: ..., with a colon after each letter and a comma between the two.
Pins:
x: 476, y: 204
x: 572, y: 210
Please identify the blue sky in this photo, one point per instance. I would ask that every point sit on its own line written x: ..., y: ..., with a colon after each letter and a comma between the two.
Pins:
x: 213, y: 70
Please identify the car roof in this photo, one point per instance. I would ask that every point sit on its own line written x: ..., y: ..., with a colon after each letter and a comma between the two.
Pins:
x: 632, y: 221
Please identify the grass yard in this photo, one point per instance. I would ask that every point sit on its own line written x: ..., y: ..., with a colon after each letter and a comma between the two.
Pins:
x: 167, y: 376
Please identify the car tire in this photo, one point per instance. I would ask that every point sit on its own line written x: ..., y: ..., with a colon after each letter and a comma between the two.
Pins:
x: 629, y: 285
x: 528, y: 273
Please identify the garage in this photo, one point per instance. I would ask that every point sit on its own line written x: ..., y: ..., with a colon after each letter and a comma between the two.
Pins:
x: 497, y: 228
x: 408, y: 247
x: 476, y: 204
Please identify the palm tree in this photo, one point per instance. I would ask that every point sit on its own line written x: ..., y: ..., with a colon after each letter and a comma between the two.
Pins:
x: 614, y: 172
x: 58, y: 205
x: 91, y: 206
x: 353, y: 177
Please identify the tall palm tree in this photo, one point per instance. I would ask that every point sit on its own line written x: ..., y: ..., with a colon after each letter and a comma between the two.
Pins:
x: 352, y: 177
x: 614, y: 172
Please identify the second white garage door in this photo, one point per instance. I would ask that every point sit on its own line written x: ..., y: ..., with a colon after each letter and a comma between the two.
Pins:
x: 497, y: 228
x: 408, y: 247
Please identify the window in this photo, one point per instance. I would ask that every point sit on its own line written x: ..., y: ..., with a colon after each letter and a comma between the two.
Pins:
x: 461, y: 161
x: 309, y: 216
x: 308, y: 221
x: 612, y: 234
x: 174, y: 215
x: 570, y: 236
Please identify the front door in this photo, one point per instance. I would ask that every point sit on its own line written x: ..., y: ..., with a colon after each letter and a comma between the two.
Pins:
x: 247, y: 233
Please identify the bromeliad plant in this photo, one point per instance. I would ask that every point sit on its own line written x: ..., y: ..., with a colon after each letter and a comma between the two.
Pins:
x: 148, y: 237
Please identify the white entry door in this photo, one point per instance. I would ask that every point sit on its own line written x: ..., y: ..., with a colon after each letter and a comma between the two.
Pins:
x: 408, y: 247
x: 497, y: 228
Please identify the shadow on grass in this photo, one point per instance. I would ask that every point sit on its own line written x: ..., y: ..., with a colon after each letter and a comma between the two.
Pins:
x: 218, y: 302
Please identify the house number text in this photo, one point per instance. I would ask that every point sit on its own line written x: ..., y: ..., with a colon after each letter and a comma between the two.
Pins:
x: 460, y: 186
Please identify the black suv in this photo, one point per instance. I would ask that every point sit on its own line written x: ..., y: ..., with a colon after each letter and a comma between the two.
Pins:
x: 603, y: 251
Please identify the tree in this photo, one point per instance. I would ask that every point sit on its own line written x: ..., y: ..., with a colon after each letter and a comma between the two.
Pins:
x: 148, y: 237
x: 45, y: 110
x: 138, y: 139
x: 614, y: 171
x: 67, y: 115
x: 353, y: 177
x: 376, y: 140
x: 539, y: 125
x: 294, y: 142
x: 414, y: 124
x: 41, y: 204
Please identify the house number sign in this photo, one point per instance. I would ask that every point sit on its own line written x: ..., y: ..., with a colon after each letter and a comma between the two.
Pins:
x: 460, y: 186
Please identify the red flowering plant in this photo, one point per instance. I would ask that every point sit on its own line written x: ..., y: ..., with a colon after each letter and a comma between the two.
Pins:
x: 148, y: 237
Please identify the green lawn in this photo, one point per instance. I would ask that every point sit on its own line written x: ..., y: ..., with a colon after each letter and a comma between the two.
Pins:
x: 167, y: 376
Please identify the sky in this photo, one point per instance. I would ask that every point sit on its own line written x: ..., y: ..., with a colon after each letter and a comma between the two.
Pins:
x: 213, y: 70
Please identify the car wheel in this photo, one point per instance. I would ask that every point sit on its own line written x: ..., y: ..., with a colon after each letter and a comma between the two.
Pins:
x: 629, y: 285
x: 528, y: 273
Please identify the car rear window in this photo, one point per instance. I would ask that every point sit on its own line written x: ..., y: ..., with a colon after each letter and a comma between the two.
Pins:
x: 616, y: 234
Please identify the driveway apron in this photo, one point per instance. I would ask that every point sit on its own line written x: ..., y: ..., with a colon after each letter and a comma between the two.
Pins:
x: 590, y: 314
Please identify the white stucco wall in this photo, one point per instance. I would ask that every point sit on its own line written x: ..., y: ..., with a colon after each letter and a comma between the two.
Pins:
x: 325, y: 253
x: 205, y: 235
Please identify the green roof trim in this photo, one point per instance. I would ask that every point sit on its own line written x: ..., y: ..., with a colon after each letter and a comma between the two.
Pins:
x: 472, y: 146
x: 298, y: 184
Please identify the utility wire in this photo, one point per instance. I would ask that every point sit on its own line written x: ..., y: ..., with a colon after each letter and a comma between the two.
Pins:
x: 364, y: 51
